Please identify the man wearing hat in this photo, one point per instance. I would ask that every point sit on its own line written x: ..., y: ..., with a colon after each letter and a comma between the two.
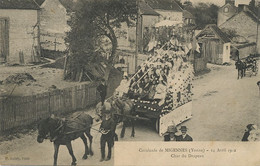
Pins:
x: 184, y: 136
x: 170, y: 134
x: 107, y: 129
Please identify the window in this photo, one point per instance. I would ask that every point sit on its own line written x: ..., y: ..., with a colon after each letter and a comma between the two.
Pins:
x: 226, y: 47
x: 226, y: 10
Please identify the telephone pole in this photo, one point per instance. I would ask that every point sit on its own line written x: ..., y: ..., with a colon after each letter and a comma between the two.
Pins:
x: 257, y: 26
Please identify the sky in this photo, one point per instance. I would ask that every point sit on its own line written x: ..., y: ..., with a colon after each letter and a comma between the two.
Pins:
x: 219, y: 2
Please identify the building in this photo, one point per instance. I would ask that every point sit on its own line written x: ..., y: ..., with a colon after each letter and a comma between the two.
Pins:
x: 147, y: 18
x: 54, y: 17
x: 245, y: 24
x: 19, y: 31
x: 215, y: 45
x: 226, y: 11
x: 244, y: 50
x: 168, y: 9
x: 188, y: 18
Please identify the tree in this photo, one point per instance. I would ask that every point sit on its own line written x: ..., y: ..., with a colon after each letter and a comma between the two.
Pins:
x: 252, y: 6
x: 109, y: 14
x: 95, y: 21
x: 204, y: 13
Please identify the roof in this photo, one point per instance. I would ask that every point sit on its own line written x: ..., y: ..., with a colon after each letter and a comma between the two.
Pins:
x: 228, y: 4
x: 248, y: 12
x: 252, y: 16
x: 19, y: 4
x: 64, y: 3
x: 145, y: 9
x: 239, y: 46
x: 221, y: 35
x: 165, y: 5
x: 39, y: 2
x: 187, y: 14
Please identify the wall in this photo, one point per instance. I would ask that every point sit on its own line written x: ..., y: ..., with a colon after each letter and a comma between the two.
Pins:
x: 244, y: 26
x: 226, y: 53
x: 169, y: 15
x: 21, y: 33
x: 53, y: 18
x: 244, y: 52
x: 223, y: 16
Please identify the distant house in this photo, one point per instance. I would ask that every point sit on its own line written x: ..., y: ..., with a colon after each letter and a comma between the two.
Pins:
x: 215, y: 45
x: 54, y: 17
x: 188, y: 18
x: 146, y: 20
x: 226, y: 11
x: 19, y: 31
x: 168, y: 11
x: 245, y: 24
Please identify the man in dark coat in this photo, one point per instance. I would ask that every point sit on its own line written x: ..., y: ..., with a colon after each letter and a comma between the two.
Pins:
x: 184, y: 136
x: 107, y: 128
x: 170, y: 134
x: 247, y: 132
x: 102, y: 89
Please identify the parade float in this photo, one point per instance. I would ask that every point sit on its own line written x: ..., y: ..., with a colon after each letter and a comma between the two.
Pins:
x: 162, y: 87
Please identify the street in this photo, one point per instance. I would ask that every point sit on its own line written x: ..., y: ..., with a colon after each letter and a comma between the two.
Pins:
x: 222, y: 107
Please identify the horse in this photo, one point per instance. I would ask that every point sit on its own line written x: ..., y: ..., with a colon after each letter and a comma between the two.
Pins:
x: 63, y: 131
x: 241, y: 68
x: 121, y: 110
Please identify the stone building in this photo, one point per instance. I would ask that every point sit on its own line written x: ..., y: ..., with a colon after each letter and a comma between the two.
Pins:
x: 245, y: 24
x: 168, y: 11
x: 54, y: 17
x: 19, y: 31
x: 226, y: 11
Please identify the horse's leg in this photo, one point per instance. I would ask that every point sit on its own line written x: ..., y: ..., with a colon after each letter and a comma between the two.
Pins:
x: 133, y: 128
x: 238, y: 73
x: 71, y: 153
x: 84, y: 139
x: 56, y: 151
x: 90, y: 137
x: 123, y: 130
x: 116, y: 137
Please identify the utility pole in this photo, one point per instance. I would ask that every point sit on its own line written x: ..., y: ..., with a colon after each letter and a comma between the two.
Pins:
x: 257, y: 25
x: 137, y: 33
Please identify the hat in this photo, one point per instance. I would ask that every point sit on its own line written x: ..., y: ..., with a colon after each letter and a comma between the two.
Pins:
x: 171, y: 129
x: 249, y: 126
x: 183, y: 128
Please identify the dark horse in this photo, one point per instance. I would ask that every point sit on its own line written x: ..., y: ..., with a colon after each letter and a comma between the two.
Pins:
x: 241, y: 68
x: 63, y: 131
x: 122, y: 110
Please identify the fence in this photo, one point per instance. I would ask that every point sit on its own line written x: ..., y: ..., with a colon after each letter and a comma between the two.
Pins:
x: 200, y: 64
x: 18, y: 111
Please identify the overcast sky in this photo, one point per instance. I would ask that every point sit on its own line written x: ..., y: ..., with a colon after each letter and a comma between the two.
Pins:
x: 219, y: 2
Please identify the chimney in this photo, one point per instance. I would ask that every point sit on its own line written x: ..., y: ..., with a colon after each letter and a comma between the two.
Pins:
x: 242, y: 7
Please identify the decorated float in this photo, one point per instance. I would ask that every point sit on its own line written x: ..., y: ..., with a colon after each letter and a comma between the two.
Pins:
x: 162, y: 87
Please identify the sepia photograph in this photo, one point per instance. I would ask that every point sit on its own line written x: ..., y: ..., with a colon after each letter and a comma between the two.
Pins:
x: 116, y: 82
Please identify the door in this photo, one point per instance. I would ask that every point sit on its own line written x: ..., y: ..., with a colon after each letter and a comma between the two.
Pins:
x: 3, y: 40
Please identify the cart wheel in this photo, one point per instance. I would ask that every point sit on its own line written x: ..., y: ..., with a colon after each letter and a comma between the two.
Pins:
x: 157, y: 125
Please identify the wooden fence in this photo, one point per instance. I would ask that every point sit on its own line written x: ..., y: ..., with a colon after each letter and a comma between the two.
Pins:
x: 19, y: 111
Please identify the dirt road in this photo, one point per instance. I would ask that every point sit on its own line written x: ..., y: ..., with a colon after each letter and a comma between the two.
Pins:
x: 222, y: 107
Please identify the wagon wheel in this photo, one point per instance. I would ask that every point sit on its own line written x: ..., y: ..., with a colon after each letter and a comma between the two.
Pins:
x: 157, y: 125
